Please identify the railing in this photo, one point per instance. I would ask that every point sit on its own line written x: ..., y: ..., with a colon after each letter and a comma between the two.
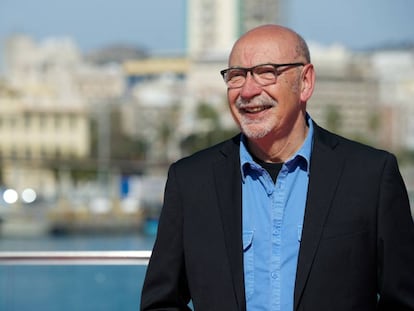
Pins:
x: 75, y: 258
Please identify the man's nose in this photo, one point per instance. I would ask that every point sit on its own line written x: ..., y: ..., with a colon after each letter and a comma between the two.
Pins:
x: 250, y: 87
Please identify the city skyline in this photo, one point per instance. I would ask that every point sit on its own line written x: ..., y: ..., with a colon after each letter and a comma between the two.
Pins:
x: 52, y: 98
x: 160, y: 26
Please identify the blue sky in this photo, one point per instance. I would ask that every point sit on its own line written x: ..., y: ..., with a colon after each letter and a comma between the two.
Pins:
x: 159, y: 25
x: 156, y: 24
x: 357, y: 24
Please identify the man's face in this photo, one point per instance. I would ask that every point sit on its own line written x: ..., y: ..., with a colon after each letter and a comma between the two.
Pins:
x: 265, y: 111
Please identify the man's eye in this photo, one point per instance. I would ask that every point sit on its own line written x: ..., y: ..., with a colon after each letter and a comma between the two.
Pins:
x: 265, y: 72
x: 235, y: 74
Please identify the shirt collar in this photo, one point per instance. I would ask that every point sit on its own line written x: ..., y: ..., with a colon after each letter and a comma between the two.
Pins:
x: 305, y: 151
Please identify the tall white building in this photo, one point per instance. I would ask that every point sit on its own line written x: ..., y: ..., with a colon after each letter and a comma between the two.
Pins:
x: 214, y: 25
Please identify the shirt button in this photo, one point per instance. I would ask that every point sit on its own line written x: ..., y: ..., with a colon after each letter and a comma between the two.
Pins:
x: 275, y: 275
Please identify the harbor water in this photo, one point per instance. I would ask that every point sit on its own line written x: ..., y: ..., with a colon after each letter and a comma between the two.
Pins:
x: 72, y: 287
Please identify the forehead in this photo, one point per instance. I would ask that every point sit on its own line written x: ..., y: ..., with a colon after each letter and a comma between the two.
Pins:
x: 263, y: 48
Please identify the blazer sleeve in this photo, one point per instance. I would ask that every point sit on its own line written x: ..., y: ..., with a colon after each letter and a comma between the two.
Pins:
x: 395, y: 242
x: 165, y: 285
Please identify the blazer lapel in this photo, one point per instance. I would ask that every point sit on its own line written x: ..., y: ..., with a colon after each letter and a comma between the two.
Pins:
x: 325, y: 171
x: 228, y: 189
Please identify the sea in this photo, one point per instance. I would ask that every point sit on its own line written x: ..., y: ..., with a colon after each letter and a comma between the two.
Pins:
x: 73, y: 287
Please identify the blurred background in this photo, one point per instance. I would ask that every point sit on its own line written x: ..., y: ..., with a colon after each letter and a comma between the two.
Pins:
x: 98, y: 98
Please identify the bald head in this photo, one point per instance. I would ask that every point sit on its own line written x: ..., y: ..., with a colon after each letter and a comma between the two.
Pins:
x: 282, y: 43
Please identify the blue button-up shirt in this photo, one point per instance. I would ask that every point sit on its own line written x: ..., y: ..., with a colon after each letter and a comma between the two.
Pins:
x: 272, y: 227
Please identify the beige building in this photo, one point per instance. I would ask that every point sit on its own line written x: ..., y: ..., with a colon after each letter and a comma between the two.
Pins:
x: 214, y: 25
x: 48, y: 133
x: 154, y: 104
x: 395, y: 73
x: 47, y: 102
x: 32, y: 139
x: 346, y: 96
x: 351, y: 91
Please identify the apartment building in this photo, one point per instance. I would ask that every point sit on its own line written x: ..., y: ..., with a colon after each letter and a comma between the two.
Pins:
x: 214, y: 25
x: 47, y: 101
x: 369, y: 94
x: 41, y: 132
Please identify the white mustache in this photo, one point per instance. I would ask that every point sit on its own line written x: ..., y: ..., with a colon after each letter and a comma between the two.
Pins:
x: 255, y: 102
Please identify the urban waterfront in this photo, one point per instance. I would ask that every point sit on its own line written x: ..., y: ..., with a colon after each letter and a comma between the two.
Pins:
x: 72, y: 287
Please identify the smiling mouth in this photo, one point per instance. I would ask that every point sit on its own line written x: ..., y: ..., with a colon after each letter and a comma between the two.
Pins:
x: 253, y: 110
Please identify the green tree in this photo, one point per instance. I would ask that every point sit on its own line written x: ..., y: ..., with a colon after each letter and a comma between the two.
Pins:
x: 208, y: 136
x: 333, y: 118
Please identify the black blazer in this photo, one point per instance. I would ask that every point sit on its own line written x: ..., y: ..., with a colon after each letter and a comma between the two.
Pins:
x: 357, y: 238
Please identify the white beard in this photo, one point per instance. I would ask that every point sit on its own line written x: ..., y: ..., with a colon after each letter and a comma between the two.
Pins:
x: 255, y: 128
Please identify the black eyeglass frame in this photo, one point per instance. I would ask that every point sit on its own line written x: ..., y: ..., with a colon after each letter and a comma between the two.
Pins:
x: 251, y: 69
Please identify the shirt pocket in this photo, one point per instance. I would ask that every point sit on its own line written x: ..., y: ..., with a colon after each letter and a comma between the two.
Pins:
x: 248, y: 257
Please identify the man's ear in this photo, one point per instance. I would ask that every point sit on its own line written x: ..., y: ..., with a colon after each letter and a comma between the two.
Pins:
x: 308, y: 82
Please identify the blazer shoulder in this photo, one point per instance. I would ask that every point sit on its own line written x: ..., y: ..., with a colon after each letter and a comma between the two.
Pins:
x: 348, y: 146
x: 220, y: 151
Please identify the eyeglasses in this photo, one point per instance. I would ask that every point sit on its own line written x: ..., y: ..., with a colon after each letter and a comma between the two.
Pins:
x: 263, y: 74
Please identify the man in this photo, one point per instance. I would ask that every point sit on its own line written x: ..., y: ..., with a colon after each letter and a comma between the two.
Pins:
x: 285, y: 216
